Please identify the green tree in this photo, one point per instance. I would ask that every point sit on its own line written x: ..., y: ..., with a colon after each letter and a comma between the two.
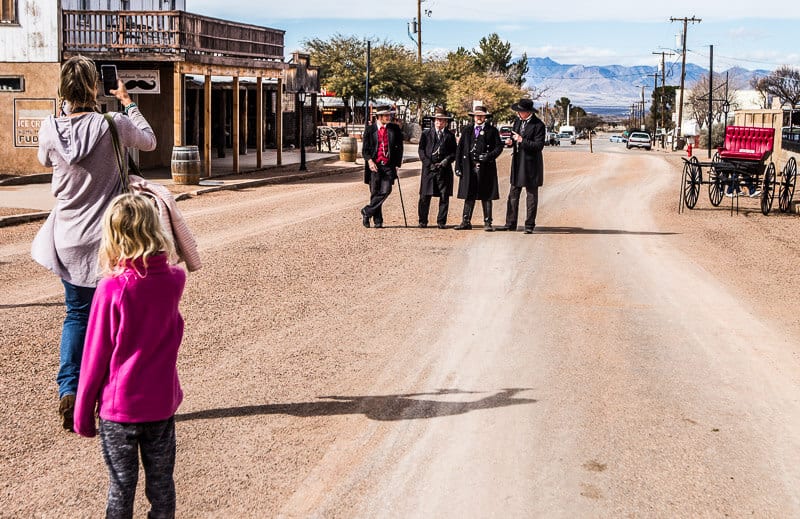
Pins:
x: 493, y: 55
x: 517, y: 70
x: 395, y: 72
x: 456, y: 65
x: 663, y: 102
x: 342, y: 64
x: 492, y: 90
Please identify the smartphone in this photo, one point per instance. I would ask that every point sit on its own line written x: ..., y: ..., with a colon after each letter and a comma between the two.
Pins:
x: 109, y: 75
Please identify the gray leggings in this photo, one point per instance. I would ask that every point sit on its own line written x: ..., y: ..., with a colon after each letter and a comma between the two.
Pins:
x: 121, y: 443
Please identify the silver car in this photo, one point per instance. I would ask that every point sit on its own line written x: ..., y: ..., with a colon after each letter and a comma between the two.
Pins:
x: 639, y: 140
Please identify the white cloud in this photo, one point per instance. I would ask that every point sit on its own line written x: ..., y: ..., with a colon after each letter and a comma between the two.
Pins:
x: 514, y: 12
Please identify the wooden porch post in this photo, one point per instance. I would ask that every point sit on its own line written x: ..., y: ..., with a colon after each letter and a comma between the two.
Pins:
x: 177, y: 106
x: 279, y: 122
x: 207, y: 125
x: 259, y: 121
x: 235, y: 115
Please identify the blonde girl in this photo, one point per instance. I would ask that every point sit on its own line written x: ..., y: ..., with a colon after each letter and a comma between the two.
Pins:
x: 129, y: 368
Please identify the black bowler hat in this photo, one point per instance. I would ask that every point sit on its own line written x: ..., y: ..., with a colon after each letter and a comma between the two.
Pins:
x: 524, y: 105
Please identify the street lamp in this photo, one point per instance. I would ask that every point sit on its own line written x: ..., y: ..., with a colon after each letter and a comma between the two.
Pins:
x: 301, y: 99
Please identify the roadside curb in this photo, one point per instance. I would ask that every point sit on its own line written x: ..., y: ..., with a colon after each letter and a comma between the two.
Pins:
x: 7, y: 221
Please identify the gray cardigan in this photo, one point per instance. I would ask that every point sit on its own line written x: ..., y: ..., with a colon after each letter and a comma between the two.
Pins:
x: 85, y: 179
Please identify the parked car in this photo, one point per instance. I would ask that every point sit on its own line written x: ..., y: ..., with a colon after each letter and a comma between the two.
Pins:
x: 569, y: 136
x: 551, y: 139
x: 617, y: 138
x: 505, y: 134
x: 639, y: 140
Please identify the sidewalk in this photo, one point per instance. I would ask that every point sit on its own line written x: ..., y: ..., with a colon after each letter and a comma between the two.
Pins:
x: 24, y: 202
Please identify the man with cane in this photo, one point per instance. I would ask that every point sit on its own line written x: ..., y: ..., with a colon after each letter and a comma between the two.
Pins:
x: 382, y: 150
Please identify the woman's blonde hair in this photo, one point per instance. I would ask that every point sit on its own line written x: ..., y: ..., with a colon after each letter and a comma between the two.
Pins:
x: 78, y: 83
x: 131, y: 230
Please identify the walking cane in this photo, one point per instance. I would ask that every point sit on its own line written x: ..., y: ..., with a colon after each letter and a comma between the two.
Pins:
x: 401, y: 200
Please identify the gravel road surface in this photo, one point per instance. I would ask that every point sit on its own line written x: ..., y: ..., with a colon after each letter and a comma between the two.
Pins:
x: 622, y: 361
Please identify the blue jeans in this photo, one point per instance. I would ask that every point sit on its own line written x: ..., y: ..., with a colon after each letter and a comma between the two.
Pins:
x: 73, y: 333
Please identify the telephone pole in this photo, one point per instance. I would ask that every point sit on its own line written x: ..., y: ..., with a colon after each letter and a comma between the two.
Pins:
x: 678, y: 129
x: 663, y: 86
x: 419, y: 32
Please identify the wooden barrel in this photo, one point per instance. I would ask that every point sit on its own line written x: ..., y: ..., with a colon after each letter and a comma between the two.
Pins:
x: 348, y: 149
x: 186, y: 165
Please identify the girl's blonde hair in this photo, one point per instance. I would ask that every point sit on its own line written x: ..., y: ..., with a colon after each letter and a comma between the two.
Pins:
x: 131, y: 230
x: 78, y: 83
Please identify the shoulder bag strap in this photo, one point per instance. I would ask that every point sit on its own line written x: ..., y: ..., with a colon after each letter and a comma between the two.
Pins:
x: 123, y: 171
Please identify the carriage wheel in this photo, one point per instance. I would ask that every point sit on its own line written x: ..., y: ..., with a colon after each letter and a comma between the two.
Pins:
x: 693, y: 177
x: 715, y: 186
x: 768, y: 192
x: 787, y: 185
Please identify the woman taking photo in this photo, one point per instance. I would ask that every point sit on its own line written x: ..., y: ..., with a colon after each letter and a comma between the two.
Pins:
x: 78, y: 146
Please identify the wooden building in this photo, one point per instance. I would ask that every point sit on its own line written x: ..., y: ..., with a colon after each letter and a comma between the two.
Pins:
x: 202, y: 81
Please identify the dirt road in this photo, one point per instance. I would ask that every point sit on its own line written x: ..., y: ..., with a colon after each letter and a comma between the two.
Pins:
x: 623, y: 360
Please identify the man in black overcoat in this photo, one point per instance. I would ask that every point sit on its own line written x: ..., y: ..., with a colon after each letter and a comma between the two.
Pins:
x: 478, y: 148
x: 382, y: 150
x: 437, y: 151
x: 527, y: 165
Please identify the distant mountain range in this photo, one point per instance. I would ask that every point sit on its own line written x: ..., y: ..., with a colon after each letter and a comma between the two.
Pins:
x: 612, y: 89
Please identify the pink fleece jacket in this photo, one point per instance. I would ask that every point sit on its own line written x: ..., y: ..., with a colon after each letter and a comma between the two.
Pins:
x: 131, y: 350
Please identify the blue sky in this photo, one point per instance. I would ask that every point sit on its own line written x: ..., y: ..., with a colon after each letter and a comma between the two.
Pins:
x: 587, y: 32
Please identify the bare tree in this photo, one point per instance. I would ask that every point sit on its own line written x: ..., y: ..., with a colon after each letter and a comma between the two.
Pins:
x: 698, y: 98
x: 784, y: 83
x: 759, y: 84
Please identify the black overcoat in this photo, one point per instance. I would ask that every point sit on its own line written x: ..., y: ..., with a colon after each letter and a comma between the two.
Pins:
x: 369, y: 147
x: 431, y: 151
x: 527, y: 165
x: 478, y: 184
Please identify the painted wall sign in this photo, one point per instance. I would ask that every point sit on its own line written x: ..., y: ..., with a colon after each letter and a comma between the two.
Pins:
x: 28, y: 117
x: 141, y: 81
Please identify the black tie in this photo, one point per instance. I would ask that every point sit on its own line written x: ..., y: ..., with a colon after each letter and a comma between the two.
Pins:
x: 438, y: 136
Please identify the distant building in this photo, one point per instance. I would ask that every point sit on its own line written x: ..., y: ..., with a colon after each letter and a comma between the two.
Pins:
x: 200, y: 81
x: 740, y: 100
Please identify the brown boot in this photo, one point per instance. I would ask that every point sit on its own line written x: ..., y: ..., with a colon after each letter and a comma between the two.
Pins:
x: 66, y: 410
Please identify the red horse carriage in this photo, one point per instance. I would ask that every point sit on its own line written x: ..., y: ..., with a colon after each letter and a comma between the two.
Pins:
x: 742, y: 161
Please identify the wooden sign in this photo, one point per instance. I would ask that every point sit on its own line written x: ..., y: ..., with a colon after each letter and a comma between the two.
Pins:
x: 141, y: 81
x: 28, y: 117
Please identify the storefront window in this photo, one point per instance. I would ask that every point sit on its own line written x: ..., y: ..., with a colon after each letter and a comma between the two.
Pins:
x: 11, y: 84
x: 8, y: 11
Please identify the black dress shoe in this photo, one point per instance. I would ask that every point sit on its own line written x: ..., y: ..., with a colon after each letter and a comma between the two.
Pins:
x: 364, y: 219
x: 379, y: 225
x: 504, y: 228
x: 441, y: 226
x: 463, y: 226
x: 422, y: 225
x: 528, y: 230
x: 488, y: 228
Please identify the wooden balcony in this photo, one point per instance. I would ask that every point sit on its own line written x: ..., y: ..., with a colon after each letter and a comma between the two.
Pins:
x: 169, y: 36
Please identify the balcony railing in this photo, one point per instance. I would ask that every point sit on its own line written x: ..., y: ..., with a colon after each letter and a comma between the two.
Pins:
x: 178, y: 33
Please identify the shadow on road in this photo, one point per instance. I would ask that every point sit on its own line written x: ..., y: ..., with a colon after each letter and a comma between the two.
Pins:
x: 581, y: 230
x: 382, y: 408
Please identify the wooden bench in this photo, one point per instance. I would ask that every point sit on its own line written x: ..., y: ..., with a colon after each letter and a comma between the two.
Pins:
x: 747, y: 143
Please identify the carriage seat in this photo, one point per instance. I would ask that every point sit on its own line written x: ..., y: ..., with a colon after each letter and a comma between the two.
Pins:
x: 747, y: 143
